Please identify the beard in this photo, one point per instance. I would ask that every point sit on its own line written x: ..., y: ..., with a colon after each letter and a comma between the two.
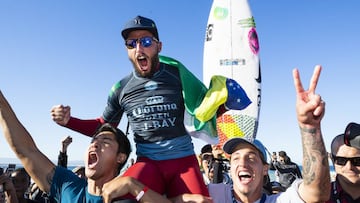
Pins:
x: 154, y: 61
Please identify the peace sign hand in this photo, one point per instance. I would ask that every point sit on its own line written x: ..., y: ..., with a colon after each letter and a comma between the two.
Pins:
x: 310, y: 108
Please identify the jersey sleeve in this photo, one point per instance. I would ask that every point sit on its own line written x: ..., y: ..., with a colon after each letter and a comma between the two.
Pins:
x: 86, y: 127
x: 112, y: 113
x: 114, y: 110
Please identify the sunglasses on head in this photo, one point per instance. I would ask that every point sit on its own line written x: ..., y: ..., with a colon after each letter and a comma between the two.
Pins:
x: 355, y: 161
x: 144, y: 42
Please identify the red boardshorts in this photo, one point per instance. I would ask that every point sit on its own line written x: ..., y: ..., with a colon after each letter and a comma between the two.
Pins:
x: 170, y: 177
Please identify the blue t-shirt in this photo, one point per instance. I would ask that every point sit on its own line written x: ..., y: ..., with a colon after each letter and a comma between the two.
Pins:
x: 67, y: 187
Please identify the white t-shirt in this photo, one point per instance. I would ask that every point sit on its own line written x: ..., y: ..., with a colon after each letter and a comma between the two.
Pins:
x: 221, y: 193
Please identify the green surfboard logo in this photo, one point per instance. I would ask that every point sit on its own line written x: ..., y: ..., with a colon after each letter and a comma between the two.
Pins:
x: 221, y: 13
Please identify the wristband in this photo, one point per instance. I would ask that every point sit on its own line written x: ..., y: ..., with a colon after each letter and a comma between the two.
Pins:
x: 141, y: 193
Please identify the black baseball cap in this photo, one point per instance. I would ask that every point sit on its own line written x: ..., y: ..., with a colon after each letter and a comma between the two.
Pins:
x: 140, y: 23
x: 352, y: 135
x: 206, y: 149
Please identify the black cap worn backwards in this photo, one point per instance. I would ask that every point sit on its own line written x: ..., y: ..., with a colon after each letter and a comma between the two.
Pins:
x: 140, y: 23
x: 352, y: 135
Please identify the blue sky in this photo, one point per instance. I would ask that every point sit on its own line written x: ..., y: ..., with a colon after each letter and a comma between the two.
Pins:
x: 71, y: 52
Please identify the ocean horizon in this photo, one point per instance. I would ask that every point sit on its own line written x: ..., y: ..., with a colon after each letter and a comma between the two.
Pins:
x: 6, y: 162
x: 332, y: 173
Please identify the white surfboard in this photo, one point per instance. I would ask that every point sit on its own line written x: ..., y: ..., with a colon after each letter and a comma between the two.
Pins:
x: 231, y: 49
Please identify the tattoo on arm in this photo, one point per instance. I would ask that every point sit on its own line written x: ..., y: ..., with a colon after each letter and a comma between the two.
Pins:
x: 313, y: 154
x: 311, y: 131
x: 308, y: 160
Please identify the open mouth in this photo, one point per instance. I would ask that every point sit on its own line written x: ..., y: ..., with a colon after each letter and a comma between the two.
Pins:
x: 143, y: 63
x: 245, y: 176
x: 92, y: 159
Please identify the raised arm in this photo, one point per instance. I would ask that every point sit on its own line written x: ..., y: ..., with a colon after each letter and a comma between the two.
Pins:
x: 61, y: 115
x: 63, y: 157
x: 39, y: 167
x: 310, y: 110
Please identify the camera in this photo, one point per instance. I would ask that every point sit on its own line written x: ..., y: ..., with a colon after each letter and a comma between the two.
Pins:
x: 220, y: 169
x: 207, y: 156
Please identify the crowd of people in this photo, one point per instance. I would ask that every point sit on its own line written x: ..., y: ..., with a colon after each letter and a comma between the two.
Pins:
x: 157, y: 97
